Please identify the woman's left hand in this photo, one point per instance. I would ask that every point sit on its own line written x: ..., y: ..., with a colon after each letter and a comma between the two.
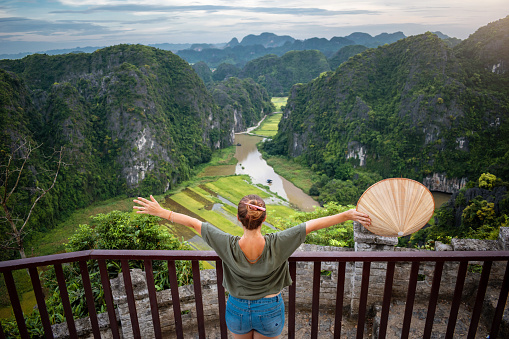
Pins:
x: 360, y: 217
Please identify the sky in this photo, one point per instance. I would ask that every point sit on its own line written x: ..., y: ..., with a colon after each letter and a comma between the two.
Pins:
x: 33, y: 25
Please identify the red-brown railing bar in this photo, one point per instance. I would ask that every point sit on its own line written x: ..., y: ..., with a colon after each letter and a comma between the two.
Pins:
x: 502, y: 299
x: 47, y: 260
x: 481, y: 292
x: 108, y: 298
x: 175, y: 298
x: 131, y: 301
x: 456, y: 299
x: 16, y: 306
x: 412, y: 284
x: 41, y: 304
x: 221, y: 300
x: 363, y: 300
x: 89, y: 296
x: 315, y: 305
x: 198, y: 298
x: 388, y: 256
x: 433, y: 299
x: 340, y: 292
x: 386, y: 304
x: 349, y: 256
x: 292, y: 293
x: 64, y: 296
x: 149, y: 275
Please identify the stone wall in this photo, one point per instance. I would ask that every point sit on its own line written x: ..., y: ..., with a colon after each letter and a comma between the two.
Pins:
x: 364, y: 241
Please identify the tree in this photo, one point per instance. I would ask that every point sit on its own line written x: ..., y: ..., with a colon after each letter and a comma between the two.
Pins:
x: 13, y: 178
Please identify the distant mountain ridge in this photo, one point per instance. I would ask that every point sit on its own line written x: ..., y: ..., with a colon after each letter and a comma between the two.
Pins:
x: 256, y: 46
x: 267, y: 40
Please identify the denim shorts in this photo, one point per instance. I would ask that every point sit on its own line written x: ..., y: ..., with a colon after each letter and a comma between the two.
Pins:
x: 266, y: 315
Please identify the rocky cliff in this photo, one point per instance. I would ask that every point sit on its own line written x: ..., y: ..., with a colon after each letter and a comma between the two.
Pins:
x: 133, y: 118
x: 414, y: 108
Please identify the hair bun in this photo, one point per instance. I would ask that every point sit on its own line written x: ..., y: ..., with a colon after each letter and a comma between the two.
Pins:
x: 254, y: 211
x: 251, y: 211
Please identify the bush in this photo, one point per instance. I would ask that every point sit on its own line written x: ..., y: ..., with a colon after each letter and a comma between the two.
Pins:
x: 115, y: 230
x: 487, y: 181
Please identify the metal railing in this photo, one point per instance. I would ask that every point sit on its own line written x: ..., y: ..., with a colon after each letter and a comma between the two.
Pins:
x: 342, y: 258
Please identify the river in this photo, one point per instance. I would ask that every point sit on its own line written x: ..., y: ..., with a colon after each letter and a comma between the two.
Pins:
x: 250, y: 162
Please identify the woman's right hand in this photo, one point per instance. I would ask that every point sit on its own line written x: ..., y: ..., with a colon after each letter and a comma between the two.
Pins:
x: 151, y: 207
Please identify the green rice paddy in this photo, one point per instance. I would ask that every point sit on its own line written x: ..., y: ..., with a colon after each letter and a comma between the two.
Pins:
x: 279, y: 102
x: 269, y: 126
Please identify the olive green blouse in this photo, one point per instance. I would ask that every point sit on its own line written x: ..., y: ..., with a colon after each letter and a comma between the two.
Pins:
x: 268, y: 275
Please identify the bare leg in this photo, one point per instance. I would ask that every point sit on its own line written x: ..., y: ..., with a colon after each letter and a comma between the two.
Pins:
x: 248, y: 335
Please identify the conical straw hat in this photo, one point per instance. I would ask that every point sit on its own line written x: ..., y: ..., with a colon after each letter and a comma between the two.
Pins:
x: 397, y: 206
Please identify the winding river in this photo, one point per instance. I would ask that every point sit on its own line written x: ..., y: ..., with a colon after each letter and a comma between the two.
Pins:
x: 250, y: 162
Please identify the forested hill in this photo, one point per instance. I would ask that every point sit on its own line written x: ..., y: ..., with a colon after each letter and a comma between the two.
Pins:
x: 278, y: 74
x: 133, y: 119
x: 412, y: 108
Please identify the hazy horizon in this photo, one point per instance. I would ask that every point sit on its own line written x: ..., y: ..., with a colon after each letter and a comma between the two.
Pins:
x: 40, y: 25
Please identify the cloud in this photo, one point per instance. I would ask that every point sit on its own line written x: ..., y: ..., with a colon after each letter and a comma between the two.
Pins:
x: 46, y: 28
x: 217, y: 8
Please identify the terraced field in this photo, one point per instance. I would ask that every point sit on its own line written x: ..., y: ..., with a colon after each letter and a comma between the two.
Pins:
x: 216, y: 202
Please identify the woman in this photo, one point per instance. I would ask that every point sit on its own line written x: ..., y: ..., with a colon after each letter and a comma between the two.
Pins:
x: 255, y: 266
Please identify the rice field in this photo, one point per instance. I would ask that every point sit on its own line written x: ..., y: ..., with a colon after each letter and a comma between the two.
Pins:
x: 279, y: 102
x: 269, y: 126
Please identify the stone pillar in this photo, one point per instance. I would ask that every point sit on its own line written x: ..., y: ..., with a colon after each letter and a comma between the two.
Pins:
x: 367, y: 241
x: 503, y: 238
x: 140, y: 290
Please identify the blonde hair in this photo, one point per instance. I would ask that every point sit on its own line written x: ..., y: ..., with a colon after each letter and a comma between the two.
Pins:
x: 251, y: 211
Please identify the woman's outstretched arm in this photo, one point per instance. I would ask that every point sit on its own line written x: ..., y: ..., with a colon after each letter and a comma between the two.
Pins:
x: 152, y: 207
x: 317, y: 224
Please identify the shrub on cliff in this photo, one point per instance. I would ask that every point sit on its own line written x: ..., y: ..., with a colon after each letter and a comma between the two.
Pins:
x: 474, y: 212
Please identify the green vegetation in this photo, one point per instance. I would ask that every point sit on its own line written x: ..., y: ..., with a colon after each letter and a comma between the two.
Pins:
x: 344, y: 54
x: 241, y: 99
x: 279, y: 103
x: 54, y: 242
x: 279, y: 74
x: 235, y: 188
x: 300, y: 175
x: 268, y: 128
x: 208, y: 215
x: 340, y: 235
